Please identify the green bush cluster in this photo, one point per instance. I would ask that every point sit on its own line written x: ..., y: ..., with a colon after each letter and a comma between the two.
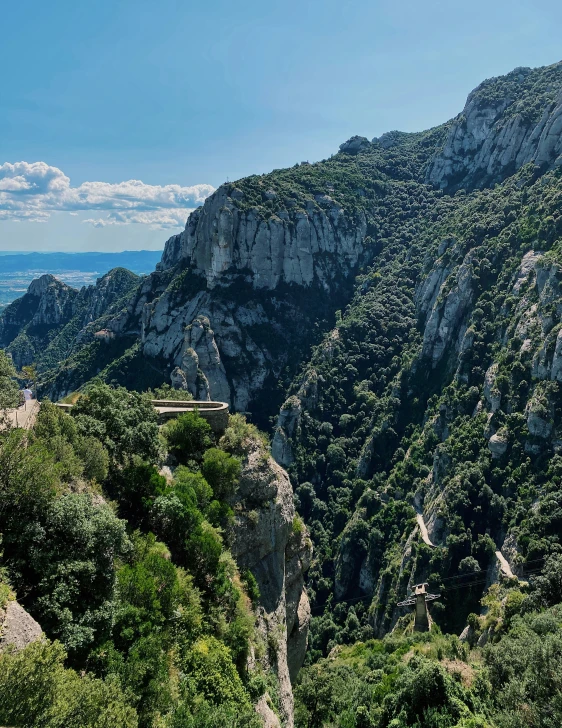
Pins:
x: 140, y: 594
x: 436, y: 681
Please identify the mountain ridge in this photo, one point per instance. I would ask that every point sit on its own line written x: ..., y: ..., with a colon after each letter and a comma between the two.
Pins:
x: 397, y: 306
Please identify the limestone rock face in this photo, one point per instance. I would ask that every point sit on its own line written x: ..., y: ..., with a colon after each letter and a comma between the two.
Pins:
x: 54, y: 300
x: 265, y: 541
x: 17, y: 627
x: 537, y: 425
x: 211, y: 341
x: 347, y: 566
x: 355, y: 145
x: 224, y: 305
x: 493, y: 136
x: 178, y: 379
x: 222, y: 241
x: 287, y: 423
x: 491, y: 392
x: 444, y: 310
x: 199, y: 340
x: 290, y: 413
x: 497, y: 444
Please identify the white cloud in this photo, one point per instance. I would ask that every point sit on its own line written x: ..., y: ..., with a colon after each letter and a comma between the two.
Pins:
x: 32, y: 191
x: 168, y: 218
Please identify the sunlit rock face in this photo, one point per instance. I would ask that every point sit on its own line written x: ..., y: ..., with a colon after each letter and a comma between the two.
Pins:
x: 223, y: 240
x: 497, y: 133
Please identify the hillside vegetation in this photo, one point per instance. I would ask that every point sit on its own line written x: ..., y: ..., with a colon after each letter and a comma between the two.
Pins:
x: 393, y: 316
x: 138, y: 595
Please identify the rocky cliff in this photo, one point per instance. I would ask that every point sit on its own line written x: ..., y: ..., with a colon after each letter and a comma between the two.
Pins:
x: 45, y: 324
x: 271, y: 541
x: 242, y: 291
x: 300, y: 242
x: 413, y: 334
x: 17, y: 628
x: 506, y: 123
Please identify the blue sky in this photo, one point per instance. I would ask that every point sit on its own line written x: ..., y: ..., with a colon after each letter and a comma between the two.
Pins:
x: 181, y: 96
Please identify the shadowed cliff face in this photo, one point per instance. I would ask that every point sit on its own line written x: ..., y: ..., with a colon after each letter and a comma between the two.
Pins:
x: 269, y: 540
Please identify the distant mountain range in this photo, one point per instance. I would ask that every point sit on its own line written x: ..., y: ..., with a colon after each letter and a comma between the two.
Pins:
x: 17, y: 270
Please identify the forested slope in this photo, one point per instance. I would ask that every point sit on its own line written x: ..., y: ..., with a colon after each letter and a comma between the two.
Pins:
x: 166, y: 599
x: 404, y: 300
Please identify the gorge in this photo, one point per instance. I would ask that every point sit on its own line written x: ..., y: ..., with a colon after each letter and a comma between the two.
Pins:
x: 392, y: 317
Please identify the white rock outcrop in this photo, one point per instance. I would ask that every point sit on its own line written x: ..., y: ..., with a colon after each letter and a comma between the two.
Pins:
x: 491, y: 392
x: 221, y: 240
x: 498, y: 444
x: 493, y: 137
x: 268, y: 541
x: 445, y: 306
x: 17, y: 628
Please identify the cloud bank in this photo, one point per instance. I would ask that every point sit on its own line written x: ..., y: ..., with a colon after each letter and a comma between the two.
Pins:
x: 33, y: 191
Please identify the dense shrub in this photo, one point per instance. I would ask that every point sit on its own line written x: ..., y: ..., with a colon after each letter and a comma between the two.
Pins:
x: 188, y: 436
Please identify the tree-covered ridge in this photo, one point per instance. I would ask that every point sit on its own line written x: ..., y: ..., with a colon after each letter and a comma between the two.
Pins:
x: 437, y: 681
x: 525, y: 91
x: 140, y: 592
x: 52, y: 320
x: 396, y: 410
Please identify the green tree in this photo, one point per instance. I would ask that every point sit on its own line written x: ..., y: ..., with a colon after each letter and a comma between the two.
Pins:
x: 221, y: 471
x: 188, y: 436
x: 76, y: 454
x: 30, y: 373
x: 36, y: 690
x: 69, y: 573
x: 166, y: 392
x: 28, y: 483
x: 125, y: 422
x: 9, y: 393
x: 210, y: 672
x: 135, y: 487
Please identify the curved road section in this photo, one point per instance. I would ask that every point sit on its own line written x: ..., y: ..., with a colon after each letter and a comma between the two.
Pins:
x: 216, y: 413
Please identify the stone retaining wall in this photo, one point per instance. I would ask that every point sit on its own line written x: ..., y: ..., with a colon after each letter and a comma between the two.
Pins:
x: 216, y: 413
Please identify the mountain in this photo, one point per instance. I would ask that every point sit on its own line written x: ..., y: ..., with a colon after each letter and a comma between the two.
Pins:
x: 46, y: 324
x: 17, y: 270
x: 399, y: 307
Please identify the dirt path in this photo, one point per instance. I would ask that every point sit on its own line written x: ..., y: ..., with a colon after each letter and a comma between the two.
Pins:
x: 25, y: 415
x: 505, y: 567
x: 423, y: 530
